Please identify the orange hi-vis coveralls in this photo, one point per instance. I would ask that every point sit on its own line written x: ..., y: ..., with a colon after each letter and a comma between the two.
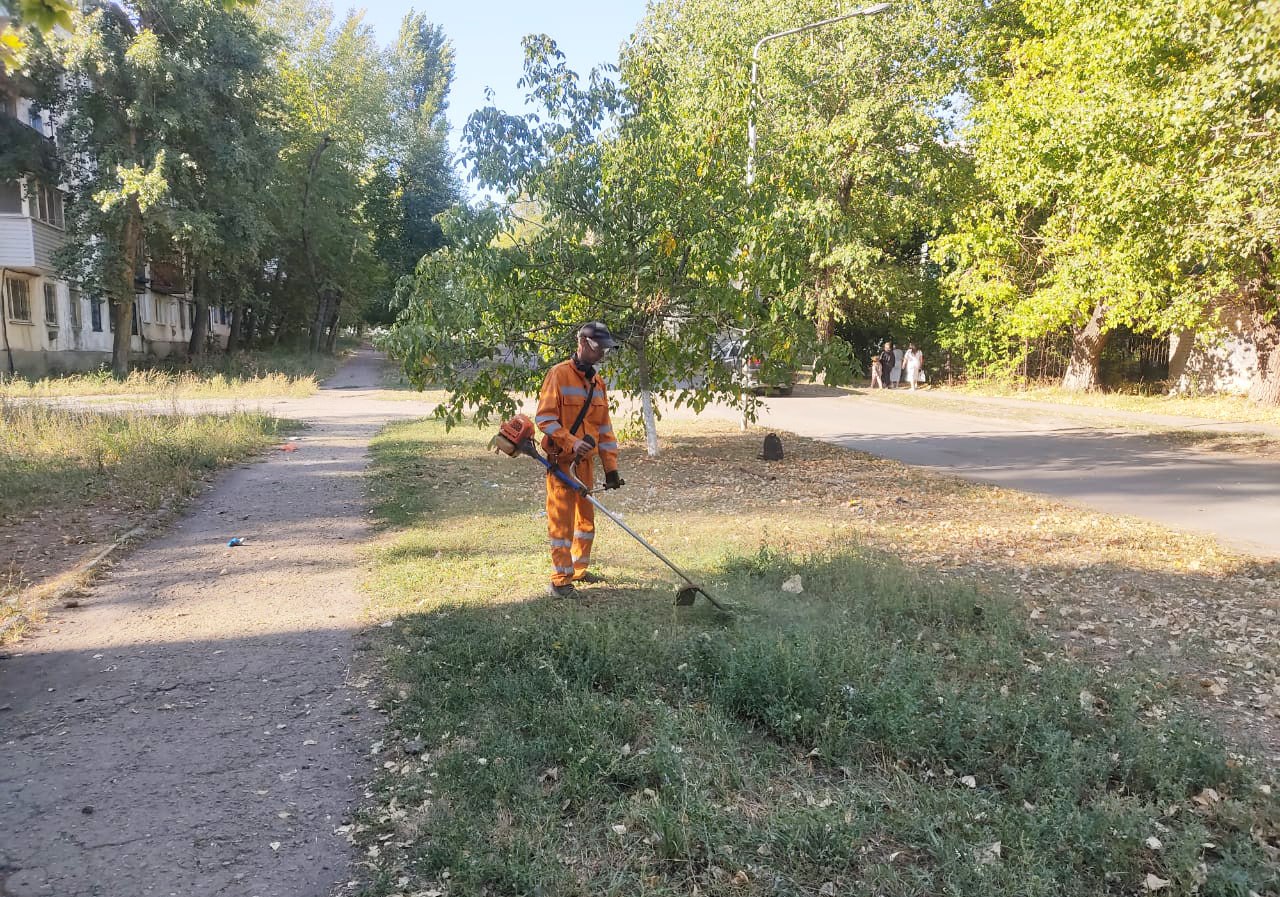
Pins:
x: 571, y: 520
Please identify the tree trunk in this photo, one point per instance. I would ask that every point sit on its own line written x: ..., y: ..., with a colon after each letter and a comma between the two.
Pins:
x: 122, y: 338
x: 331, y: 342
x: 324, y: 304
x: 309, y: 251
x: 1086, y: 348
x: 200, y: 317
x: 1266, y: 388
x: 122, y: 341
x: 237, y: 327
x: 646, y: 404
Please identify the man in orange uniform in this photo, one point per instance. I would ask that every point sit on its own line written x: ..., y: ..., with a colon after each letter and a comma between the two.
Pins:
x: 573, y: 412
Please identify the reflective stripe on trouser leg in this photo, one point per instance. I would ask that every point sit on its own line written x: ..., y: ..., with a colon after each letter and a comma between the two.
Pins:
x: 584, y: 524
x: 561, y: 507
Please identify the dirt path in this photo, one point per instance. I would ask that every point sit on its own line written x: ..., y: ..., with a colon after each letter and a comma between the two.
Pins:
x: 198, y: 727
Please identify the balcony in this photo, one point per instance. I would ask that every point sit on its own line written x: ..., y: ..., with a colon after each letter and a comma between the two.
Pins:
x: 28, y: 245
x: 167, y: 278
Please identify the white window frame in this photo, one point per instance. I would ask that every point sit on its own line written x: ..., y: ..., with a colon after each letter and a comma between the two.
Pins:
x: 9, y: 283
x: 46, y: 204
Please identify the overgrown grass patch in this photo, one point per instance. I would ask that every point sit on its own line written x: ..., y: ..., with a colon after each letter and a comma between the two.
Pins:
x: 242, y: 375
x: 886, y: 731
x: 74, y: 478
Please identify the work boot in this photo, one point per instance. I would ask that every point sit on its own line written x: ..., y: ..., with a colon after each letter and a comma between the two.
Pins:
x: 588, y: 577
x: 566, y: 591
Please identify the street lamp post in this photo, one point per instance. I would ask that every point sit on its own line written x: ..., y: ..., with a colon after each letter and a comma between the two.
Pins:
x: 755, y: 71
x: 751, y: 100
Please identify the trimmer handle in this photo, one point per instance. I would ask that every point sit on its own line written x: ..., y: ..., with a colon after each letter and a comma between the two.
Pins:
x: 527, y: 447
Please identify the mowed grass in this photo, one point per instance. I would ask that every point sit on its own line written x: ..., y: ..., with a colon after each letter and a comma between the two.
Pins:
x: 886, y: 731
x: 243, y: 375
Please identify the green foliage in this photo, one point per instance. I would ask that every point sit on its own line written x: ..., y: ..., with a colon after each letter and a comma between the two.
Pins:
x: 600, y: 226
x: 418, y: 177
x: 290, y: 164
x: 1121, y: 152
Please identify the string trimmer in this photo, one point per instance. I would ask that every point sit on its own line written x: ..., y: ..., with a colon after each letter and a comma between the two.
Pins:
x: 515, y: 437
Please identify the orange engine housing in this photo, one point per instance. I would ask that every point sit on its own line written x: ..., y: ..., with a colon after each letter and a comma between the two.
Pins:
x: 514, y: 433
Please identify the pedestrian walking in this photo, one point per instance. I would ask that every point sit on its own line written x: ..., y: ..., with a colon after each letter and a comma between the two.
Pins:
x: 913, y: 364
x: 877, y: 382
x: 896, y: 374
x: 573, y: 414
x: 887, y: 361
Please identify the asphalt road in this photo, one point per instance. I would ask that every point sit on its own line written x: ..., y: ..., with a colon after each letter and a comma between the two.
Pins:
x: 1059, y: 453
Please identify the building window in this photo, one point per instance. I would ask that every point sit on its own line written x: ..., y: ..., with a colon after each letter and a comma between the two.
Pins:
x: 51, y: 304
x: 95, y: 315
x: 46, y: 204
x: 11, y: 197
x: 19, y: 300
x: 74, y: 302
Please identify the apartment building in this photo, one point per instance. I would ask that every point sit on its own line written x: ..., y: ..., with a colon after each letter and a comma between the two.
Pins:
x: 50, y: 326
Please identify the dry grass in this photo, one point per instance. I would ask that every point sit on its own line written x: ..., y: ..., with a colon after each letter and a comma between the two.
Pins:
x: 72, y: 482
x: 243, y: 376
x: 1216, y: 407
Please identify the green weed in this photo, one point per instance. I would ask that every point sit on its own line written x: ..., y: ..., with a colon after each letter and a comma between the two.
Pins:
x: 884, y: 732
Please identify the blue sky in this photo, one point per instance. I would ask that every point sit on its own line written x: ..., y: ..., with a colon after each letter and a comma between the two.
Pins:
x: 487, y: 38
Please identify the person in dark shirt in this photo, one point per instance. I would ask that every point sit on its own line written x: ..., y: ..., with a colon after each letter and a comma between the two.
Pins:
x: 887, y: 362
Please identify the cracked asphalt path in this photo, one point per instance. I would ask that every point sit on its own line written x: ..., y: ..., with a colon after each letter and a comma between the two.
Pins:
x: 198, y: 725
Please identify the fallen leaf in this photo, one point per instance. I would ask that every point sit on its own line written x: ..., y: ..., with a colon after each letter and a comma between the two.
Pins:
x: 794, y: 585
x: 275, y: 845
x: 969, y: 781
x: 619, y: 829
x: 1154, y: 843
x: 1154, y: 882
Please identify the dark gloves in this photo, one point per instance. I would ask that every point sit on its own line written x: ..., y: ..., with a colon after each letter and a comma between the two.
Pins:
x: 613, y: 481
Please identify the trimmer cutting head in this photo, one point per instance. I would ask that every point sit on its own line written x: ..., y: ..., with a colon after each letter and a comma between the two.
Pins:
x: 689, y: 594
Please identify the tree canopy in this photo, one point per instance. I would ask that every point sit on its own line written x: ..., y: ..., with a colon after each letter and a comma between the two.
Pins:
x: 251, y: 142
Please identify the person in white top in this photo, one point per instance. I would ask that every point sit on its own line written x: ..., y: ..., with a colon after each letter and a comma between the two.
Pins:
x: 913, y: 361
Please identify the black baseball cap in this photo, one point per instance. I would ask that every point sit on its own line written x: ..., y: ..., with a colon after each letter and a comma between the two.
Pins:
x: 599, y: 334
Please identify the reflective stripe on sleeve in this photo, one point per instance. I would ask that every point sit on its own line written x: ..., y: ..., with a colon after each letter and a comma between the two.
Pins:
x: 551, y: 428
x: 545, y: 418
x: 605, y: 429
